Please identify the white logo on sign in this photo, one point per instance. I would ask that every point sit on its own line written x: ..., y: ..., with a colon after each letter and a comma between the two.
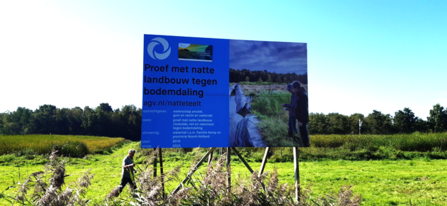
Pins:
x: 155, y: 55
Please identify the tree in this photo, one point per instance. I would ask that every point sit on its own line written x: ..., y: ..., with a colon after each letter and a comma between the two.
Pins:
x: 318, y: 123
x: 2, y: 116
x: 89, y: 121
x: 19, y: 122
x: 278, y: 79
x: 404, y: 121
x: 421, y: 125
x: 438, y: 118
x: 105, y: 107
x: 75, y: 120
x: 131, y: 117
x: 45, y: 119
x: 338, y: 123
x: 269, y: 78
x: 379, y: 123
x: 353, y: 122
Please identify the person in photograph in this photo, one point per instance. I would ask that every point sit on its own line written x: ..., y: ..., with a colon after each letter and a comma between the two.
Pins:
x: 292, y: 114
x: 127, y: 175
x: 302, y: 111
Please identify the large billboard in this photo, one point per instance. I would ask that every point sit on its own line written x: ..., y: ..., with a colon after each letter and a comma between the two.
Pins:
x: 205, y: 92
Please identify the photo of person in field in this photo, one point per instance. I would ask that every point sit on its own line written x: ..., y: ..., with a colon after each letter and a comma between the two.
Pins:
x: 298, y: 111
x: 291, y: 108
x: 268, y: 94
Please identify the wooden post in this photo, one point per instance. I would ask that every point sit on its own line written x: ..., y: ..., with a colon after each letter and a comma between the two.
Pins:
x: 155, y: 164
x: 210, y: 158
x: 245, y: 163
x: 161, y: 172
x: 243, y: 160
x: 193, y: 170
x: 229, y: 169
x: 297, y: 174
x: 264, y: 161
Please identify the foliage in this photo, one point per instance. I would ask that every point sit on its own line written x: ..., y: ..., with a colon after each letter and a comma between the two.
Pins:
x: 269, y: 103
x: 101, y: 121
x: 126, y: 122
x: 360, y: 147
x: 438, y: 118
x: 267, y: 107
x: 404, y: 121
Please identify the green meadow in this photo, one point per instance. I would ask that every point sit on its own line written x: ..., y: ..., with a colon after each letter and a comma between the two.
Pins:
x: 390, y: 180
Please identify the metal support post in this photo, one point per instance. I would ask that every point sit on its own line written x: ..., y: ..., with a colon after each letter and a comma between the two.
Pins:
x: 297, y: 173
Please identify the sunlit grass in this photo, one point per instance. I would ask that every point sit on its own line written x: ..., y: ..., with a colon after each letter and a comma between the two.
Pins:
x: 380, y: 182
x: 43, y: 144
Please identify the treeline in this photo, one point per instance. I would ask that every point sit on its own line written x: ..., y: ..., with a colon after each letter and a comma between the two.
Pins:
x: 246, y: 75
x: 126, y: 122
x: 403, y: 121
x: 100, y: 121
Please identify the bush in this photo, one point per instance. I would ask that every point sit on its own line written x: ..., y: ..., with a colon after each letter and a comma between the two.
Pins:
x: 72, y: 149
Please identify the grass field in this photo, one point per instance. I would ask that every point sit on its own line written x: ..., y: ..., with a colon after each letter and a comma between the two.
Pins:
x: 380, y: 182
x: 77, y: 146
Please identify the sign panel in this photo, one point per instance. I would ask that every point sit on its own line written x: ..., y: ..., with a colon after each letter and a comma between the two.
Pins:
x: 223, y: 93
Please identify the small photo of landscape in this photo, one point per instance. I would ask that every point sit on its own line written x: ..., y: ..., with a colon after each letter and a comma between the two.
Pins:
x: 195, y: 52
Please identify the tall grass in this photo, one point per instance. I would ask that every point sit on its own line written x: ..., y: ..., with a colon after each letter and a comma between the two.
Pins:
x: 47, y: 187
x: 269, y: 103
x: 274, y: 119
x: 68, y: 145
x: 364, y: 147
x: 417, y: 142
x: 211, y: 188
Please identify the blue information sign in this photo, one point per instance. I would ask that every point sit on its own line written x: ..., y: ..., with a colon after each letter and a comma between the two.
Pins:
x: 209, y: 92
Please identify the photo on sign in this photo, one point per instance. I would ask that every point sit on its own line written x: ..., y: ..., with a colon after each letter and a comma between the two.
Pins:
x: 195, y: 52
x: 268, y: 94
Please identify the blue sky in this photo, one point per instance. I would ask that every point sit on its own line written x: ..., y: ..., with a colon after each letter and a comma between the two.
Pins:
x: 362, y: 55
